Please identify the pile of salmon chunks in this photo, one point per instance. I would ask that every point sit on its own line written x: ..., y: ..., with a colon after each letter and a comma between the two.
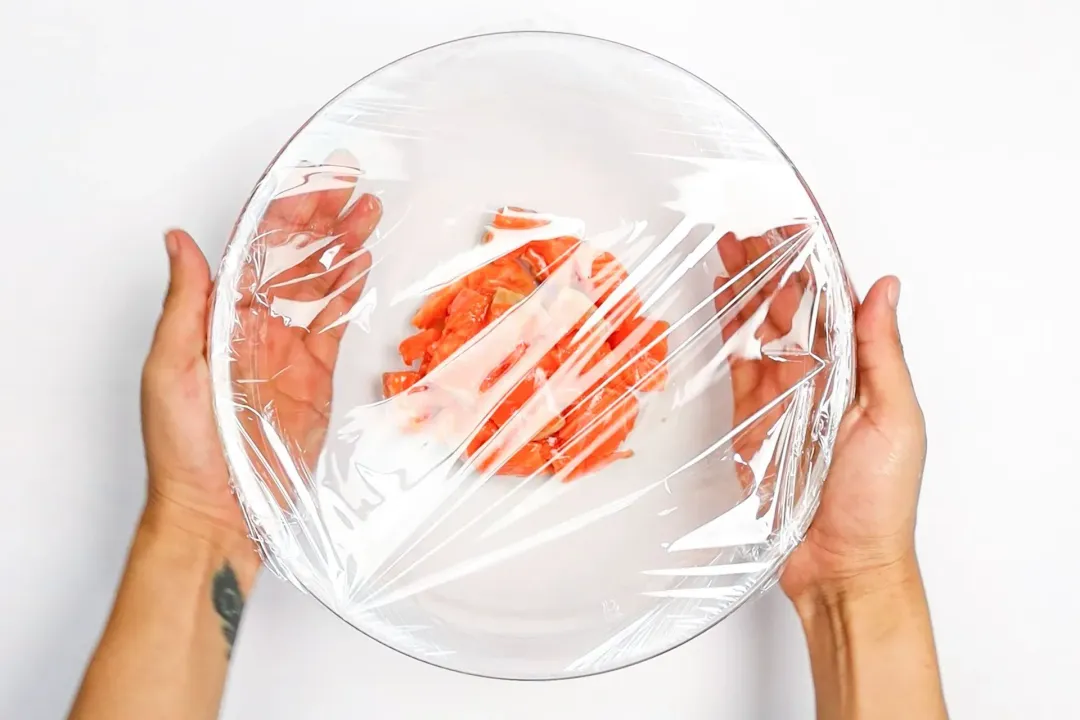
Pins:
x: 601, y: 363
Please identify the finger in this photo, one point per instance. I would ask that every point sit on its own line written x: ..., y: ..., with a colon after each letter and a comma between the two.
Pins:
x: 339, y: 284
x: 740, y: 257
x: 732, y: 254
x: 313, y: 210
x: 180, y: 338
x: 288, y: 214
x: 784, y: 300
x: 331, y: 205
x: 317, y: 272
x: 790, y: 294
x: 344, y: 281
x: 294, y: 238
x: 883, y: 378
x: 356, y: 227
x: 329, y: 325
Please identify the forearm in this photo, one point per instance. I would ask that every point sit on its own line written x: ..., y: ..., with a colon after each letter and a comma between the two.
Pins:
x: 165, y: 649
x: 872, y: 648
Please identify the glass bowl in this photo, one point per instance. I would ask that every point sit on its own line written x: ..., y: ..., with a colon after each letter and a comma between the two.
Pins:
x: 490, y: 547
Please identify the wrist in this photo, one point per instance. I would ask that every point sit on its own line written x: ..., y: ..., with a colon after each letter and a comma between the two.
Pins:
x: 874, y: 599
x: 196, y: 540
x: 871, y: 645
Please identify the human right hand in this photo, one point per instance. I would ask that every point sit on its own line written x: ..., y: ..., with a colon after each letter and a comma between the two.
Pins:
x: 854, y: 580
x: 866, y: 519
x: 864, y: 531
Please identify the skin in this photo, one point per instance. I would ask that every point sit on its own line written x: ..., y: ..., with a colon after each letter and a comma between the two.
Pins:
x: 854, y: 580
x: 164, y: 653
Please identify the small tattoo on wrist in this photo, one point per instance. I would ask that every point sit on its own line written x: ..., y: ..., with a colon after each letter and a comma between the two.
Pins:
x: 228, y: 603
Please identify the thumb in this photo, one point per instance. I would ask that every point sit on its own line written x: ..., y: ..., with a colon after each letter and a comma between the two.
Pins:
x: 180, y: 338
x: 883, y: 378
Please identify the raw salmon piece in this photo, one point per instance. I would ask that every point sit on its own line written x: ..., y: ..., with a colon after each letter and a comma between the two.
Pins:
x: 467, y: 313
x: 501, y: 302
x: 517, y: 397
x: 416, y: 346
x: 642, y: 331
x: 646, y: 374
x: 505, y: 364
x: 447, y: 345
x: 543, y: 257
x: 482, y: 436
x: 434, y: 308
x: 398, y: 382
x: 531, y: 458
x: 504, y: 272
x: 598, y: 425
x: 607, y: 274
x: 553, y: 359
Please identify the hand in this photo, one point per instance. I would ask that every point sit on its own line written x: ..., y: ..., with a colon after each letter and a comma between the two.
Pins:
x: 189, y: 480
x: 299, y: 284
x: 767, y: 360
x: 864, y: 527
x: 864, y: 531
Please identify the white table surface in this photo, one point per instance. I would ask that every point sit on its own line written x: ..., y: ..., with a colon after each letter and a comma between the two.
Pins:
x: 940, y: 137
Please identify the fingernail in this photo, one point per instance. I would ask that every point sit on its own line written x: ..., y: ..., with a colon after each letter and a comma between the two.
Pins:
x: 172, y: 244
x: 369, y: 203
x: 893, y: 294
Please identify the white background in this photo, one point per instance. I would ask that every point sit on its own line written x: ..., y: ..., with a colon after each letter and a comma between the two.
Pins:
x: 939, y: 136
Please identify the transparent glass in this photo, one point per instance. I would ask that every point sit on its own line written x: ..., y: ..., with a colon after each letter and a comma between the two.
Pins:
x: 390, y: 194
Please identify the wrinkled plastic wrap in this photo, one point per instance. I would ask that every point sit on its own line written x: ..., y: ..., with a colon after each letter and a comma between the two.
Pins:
x: 529, y: 352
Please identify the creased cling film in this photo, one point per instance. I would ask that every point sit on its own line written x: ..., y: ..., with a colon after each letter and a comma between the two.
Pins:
x: 432, y: 514
x: 577, y: 392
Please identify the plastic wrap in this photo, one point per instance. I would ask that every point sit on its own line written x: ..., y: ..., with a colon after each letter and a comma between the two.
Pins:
x: 613, y: 415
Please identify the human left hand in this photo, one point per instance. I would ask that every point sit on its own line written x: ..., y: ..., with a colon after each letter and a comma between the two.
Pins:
x: 188, y: 476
